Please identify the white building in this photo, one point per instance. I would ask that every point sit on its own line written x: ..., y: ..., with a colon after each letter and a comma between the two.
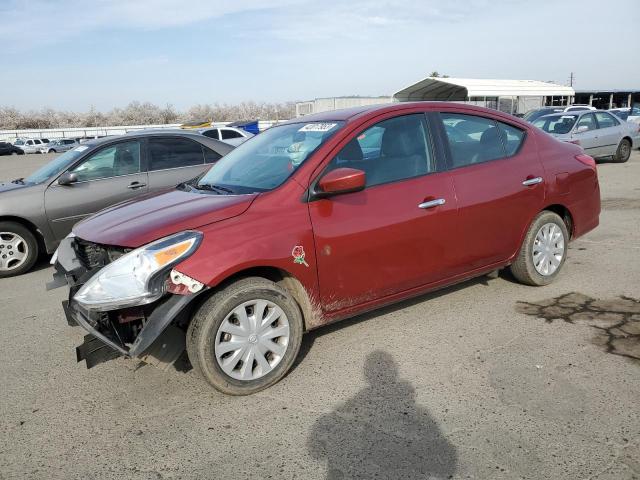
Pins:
x: 336, y: 103
x: 510, y: 96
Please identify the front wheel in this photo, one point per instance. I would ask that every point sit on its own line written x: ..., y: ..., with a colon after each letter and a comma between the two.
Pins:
x: 623, y: 152
x: 246, y: 336
x: 18, y: 249
x: 51, y: 151
x: 543, y: 251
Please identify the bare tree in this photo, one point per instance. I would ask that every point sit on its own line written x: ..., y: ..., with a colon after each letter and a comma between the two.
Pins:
x: 143, y: 113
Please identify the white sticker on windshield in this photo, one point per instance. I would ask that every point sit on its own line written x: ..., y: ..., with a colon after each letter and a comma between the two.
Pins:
x: 567, y: 116
x: 317, y: 127
x: 81, y: 148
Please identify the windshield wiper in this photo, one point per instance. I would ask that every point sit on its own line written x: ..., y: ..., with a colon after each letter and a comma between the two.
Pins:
x: 19, y: 181
x: 213, y: 187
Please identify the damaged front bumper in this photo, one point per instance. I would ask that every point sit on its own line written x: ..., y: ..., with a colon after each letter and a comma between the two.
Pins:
x: 151, y: 332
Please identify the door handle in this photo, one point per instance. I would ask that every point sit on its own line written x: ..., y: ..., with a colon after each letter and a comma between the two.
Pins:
x: 432, y: 203
x: 134, y: 185
x: 532, y: 181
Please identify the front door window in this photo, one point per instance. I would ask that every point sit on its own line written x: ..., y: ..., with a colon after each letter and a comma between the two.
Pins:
x: 112, y: 161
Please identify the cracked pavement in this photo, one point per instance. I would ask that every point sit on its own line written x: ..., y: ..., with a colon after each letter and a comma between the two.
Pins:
x: 488, y: 379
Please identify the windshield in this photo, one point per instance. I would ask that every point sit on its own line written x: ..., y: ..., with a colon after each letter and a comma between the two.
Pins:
x: 268, y: 159
x: 532, y: 115
x: 623, y: 114
x: 55, y: 166
x: 557, y: 124
x: 19, y: 142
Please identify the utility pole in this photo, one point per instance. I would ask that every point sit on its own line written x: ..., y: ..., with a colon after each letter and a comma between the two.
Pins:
x: 571, y: 78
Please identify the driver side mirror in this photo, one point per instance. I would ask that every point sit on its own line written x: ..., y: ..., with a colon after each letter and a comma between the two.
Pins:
x: 67, y: 178
x: 341, y: 180
x: 582, y: 128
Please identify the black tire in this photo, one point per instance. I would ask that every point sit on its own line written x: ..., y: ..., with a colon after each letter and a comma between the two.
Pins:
x: 15, y: 153
x: 52, y: 151
x: 31, y: 248
x: 623, y: 152
x: 523, y: 268
x: 206, y: 321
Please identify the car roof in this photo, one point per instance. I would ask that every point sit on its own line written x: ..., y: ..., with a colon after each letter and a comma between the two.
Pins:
x: 565, y: 114
x: 220, y: 147
x: 348, y: 114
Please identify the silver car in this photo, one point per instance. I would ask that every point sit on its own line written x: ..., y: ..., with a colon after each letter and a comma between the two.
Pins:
x: 38, y: 211
x: 58, y: 146
x: 599, y: 133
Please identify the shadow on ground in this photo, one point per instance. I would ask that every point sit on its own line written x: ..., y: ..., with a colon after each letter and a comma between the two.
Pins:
x: 616, y: 321
x: 381, y: 432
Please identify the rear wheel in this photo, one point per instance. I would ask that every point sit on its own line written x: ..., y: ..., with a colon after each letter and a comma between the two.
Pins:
x: 18, y: 249
x: 543, y: 251
x: 623, y: 152
x: 246, y: 336
x: 51, y: 150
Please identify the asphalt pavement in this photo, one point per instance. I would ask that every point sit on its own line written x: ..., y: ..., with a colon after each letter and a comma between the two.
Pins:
x: 485, y: 380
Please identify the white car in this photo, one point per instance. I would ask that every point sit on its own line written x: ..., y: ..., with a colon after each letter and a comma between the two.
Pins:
x: 231, y: 135
x: 31, y: 145
x: 576, y: 107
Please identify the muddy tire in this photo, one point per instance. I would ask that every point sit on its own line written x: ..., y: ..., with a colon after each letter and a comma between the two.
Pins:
x: 18, y: 249
x: 543, y: 251
x: 246, y: 336
x: 623, y: 152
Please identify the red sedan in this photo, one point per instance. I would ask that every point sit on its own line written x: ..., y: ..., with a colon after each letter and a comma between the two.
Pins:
x: 319, y: 219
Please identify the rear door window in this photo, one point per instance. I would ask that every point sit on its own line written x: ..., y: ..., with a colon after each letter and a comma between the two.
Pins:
x: 474, y: 139
x: 606, y: 120
x: 166, y: 153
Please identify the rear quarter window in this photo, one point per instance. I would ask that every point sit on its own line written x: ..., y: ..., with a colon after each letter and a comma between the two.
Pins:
x: 513, y: 138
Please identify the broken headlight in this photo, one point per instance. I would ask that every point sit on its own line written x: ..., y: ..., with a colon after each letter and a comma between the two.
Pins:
x: 137, y: 277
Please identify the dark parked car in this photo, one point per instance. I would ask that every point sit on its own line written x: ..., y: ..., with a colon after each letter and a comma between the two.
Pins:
x: 318, y: 219
x: 534, y: 114
x: 38, y: 211
x: 8, y: 149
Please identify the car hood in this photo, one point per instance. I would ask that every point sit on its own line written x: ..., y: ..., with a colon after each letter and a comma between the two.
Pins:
x: 8, y: 186
x: 561, y: 136
x: 142, y: 220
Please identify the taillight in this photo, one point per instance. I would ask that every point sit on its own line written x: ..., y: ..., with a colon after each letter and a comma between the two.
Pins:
x: 587, y: 160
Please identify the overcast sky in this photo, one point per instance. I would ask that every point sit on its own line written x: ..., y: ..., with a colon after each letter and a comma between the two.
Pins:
x: 72, y: 54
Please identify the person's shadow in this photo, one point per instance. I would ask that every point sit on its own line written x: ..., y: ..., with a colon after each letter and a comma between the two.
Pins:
x: 381, y: 432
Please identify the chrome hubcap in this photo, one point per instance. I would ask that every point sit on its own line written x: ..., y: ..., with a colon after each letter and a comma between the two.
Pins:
x: 13, y: 251
x: 625, y: 150
x: 548, y: 249
x: 252, y: 340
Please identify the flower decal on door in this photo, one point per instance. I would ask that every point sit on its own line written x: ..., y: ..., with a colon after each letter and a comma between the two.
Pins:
x: 298, y: 255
